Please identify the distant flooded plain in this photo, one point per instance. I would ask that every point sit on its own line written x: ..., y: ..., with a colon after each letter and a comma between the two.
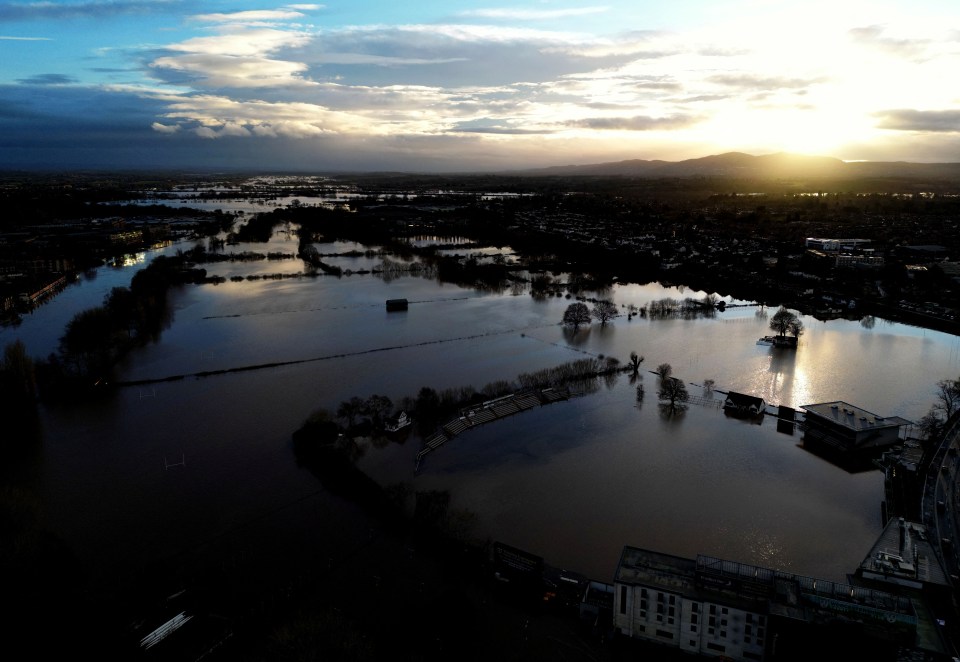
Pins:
x: 572, y: 481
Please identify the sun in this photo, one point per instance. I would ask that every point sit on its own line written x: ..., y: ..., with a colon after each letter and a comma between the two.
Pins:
x: 820, y: 130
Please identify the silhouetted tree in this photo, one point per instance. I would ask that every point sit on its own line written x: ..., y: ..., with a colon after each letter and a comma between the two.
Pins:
x: 378, y: 408
x: 784, y: 321
x: 576, y: 314
x: 673, y: 391
x: 17, y: 378
x: 634, y: 363
x: 664, y: 370
x: 350, y: 410
x: 604, y: 311
x: 948, y: 397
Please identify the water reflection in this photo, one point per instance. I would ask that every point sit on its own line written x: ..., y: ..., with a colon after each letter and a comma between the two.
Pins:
x: 129, y: 260
x: 572, y: 481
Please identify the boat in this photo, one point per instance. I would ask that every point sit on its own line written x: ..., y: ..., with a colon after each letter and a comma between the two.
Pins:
x: 398, y: 422
x: 766, y: 340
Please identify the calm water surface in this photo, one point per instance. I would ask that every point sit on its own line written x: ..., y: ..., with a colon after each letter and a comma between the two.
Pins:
x: 572, y: 481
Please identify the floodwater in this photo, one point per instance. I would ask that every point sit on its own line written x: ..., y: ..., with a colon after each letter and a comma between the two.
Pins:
x: 162, y: 469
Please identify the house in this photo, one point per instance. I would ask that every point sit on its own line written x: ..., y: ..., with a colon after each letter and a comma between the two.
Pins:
x: 396, y: 304
x: 397, y: 422
x: 744, y: 406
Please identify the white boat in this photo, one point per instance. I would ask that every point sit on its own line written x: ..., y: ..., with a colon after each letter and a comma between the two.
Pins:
x: 766, y: 340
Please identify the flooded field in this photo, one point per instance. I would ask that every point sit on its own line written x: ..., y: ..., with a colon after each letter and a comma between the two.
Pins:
x: 573, y: 481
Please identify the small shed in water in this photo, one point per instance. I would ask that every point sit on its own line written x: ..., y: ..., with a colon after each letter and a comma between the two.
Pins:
x: 396, y: 304
x: 743, y: 405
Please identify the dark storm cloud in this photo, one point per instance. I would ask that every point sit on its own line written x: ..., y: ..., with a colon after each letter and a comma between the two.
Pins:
x: 920, y: 120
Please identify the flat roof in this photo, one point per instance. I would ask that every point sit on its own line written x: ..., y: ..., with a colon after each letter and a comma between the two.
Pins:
x: 641, y: 566
x: 756, y: 584
x: 903, y: 555
x: 852, y: 417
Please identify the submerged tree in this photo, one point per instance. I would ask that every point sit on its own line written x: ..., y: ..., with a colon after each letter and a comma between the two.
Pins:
x: 783, y: 321
x: 576, y: 314
x: 673, y: 392
x: 664, y: 370
x: 604, y: 311
x: 634, y: 363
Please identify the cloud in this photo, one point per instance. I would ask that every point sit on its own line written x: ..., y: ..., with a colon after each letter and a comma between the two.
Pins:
x: 47, y: 79
x: 636, y: 44
x: 306, y: 7
x: 242, y: 41
x: 239, y: 57
x: 382, y: 60
x: 253, y: 16
x: 920, y: 120
x: 164, y: 128
x: 19, y: 11
x: 219, y: 71
x: 636, y: 123
x: 533, y: 14
x: 871, y: 36
x: 5, y: 38
x: 445, y: 55
x: 759, y: 82
x: 492, y: 126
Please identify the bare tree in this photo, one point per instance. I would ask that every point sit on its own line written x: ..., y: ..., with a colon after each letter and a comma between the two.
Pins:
x: 576, y: 314
x: 604, y: 311
x: 708, y: 385
x: 948, y: 397
x: 634, y: 363
x: 796, y: 328
x: 664, y: 370
x: 930, y: 425
x: 673, y: 391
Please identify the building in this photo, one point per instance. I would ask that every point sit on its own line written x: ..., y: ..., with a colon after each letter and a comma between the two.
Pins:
x: 596, y: 606
x: 902, y: 479
x: 396, y: 304
x: 831, y: 245
x: 744, y: 406
x: 844, y: 427
x: 737, y: 611
x: 903, y: 556
x: 903, y: 561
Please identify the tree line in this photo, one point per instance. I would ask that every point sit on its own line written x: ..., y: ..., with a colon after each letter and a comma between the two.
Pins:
x: 97, y: 338
x: 430, y: 408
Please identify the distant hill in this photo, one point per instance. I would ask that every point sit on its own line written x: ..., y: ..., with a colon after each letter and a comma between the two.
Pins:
x: 769, y: 166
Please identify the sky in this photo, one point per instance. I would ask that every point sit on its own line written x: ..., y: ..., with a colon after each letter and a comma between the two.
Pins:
x: 459, y: 85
